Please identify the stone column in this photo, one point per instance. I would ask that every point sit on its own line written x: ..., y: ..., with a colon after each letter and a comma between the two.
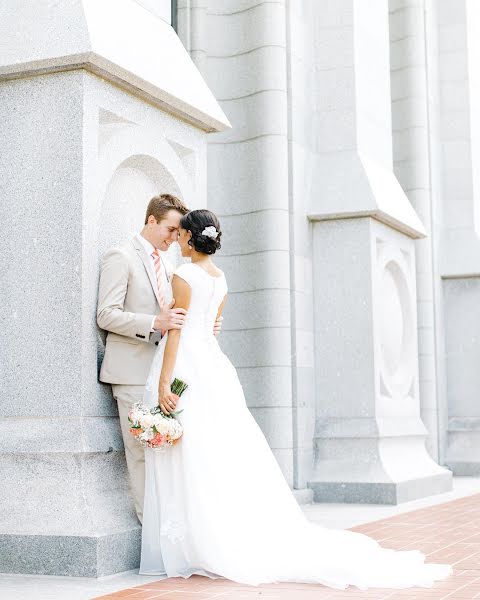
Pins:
x: 242, y: 51
x: 370, y: 440
x: 458, y: 25
x: 193, y: 30
x: 417, y: 164
x: 90, y: 132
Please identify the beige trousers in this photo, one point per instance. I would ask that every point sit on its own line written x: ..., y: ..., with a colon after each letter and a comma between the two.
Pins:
x: 126, y: 395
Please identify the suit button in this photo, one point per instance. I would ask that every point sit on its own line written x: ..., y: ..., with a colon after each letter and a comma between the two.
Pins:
x: 156, y: 343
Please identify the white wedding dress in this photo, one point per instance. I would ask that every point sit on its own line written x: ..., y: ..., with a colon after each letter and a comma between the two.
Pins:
x: 217, y: 504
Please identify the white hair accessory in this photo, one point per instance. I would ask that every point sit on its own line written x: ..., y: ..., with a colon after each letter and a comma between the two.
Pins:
x: 210, y: 232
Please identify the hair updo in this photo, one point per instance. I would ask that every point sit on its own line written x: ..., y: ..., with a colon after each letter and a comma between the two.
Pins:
x: 196, y: 221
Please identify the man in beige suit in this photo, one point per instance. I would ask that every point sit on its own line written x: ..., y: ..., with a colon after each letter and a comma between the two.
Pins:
x: 135, y: 307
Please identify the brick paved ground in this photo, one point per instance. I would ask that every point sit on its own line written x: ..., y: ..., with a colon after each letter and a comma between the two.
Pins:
x: 446, y: 533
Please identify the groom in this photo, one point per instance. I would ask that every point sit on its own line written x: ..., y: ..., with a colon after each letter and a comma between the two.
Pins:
x: 135, y: 307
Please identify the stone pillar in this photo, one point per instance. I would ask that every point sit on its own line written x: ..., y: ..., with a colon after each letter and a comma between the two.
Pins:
x: 370, y: 440
x: 193, y: 30
x: 417, y: 165
x: 243, y: 55
x: 458, y: 25
x: 89, y: 133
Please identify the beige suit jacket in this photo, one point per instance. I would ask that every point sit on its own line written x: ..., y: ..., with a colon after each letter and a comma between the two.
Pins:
x: 127, y: 303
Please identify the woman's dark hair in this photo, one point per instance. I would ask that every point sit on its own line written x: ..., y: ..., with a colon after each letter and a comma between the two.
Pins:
x: 196, y: 221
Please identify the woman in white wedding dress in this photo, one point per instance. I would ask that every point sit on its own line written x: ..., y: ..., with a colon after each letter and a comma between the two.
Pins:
x: 216, y: 503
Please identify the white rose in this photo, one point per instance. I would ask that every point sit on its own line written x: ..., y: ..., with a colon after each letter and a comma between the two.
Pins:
x: 161, y: 424
x: 147, y: 421
x: 135, y: 415
x: 147, y: 435
x: 175, y: 429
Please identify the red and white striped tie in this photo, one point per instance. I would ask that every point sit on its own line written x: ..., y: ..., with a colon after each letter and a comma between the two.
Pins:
x: 159, y: 272
x: 158, y: 265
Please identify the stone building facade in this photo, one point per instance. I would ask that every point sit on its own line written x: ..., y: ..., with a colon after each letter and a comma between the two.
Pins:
x: 337, y: 141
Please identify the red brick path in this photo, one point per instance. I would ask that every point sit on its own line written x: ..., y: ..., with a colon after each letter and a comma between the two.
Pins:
x: 446, y: 533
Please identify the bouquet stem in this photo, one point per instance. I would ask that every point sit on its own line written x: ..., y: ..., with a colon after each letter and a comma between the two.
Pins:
x: 178, y: 386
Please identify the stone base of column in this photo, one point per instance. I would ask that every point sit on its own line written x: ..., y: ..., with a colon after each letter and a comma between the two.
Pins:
x: 464, y: 468
x: 369, y: 437
x: 385, y: 464
x: 380, y: 492
x: 72, y: 555
x: 67, y: 513
x: 463, y: 449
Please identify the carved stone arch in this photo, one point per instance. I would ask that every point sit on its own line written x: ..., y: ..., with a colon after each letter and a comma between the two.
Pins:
x: 128, y: 190
x: 129, y: 142
x: 135, y: 165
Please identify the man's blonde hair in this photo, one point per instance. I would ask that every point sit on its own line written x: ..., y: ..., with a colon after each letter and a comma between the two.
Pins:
x: 160, y: 205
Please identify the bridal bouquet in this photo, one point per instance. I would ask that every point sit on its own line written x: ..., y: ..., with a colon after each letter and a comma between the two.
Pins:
x: 152, y: 427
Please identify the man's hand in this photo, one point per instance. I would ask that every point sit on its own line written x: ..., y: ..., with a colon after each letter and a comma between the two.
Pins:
x: 170, y: 318
x: 217, y: 328
x: 167, y: 400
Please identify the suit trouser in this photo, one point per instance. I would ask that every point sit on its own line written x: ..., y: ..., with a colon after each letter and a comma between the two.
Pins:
x: 126, y: 395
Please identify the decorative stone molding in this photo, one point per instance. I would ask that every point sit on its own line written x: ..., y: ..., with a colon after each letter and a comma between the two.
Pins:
x: 58, y: 37
x: 396, y: 326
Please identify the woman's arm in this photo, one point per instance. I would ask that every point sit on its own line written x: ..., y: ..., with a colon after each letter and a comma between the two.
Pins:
x: 166, y: 399
x: 217, y: 327
x: 220, y: 308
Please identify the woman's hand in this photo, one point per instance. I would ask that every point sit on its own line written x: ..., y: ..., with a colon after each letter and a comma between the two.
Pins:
x: 217, y: 327
x: 167, y: 400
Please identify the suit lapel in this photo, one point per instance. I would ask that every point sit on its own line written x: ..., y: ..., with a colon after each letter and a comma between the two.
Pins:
x: 148, y: 266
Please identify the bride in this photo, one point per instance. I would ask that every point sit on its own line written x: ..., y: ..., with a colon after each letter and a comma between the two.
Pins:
x: 216, y: 503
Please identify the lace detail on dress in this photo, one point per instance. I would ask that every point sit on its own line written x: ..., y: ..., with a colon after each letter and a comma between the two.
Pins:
x: 173, y: 530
